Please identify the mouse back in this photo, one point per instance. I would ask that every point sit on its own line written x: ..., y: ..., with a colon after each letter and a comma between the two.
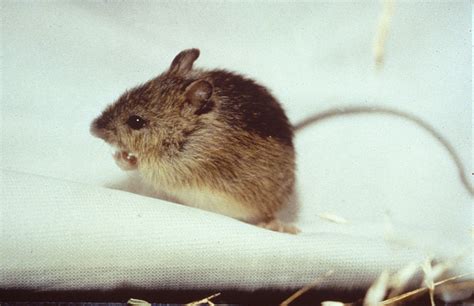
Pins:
x: 248, y: 106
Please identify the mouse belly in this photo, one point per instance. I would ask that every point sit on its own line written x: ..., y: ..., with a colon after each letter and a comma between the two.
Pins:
x: 214, y: 202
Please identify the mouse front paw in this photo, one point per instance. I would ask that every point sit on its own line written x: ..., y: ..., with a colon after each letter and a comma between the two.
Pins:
x: 125, y: 160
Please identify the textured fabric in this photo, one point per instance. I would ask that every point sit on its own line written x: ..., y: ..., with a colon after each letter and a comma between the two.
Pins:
x: 69, y: 235
x: 71, y: 219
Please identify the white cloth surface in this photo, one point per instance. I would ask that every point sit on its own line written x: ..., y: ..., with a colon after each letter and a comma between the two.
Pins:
x: 89, y: 237
x: 63, y: 225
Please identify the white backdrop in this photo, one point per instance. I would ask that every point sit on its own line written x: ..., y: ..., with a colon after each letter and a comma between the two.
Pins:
x: 62, y: 63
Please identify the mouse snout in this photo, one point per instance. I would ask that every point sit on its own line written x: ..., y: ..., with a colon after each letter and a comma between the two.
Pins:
x: 100, y: 126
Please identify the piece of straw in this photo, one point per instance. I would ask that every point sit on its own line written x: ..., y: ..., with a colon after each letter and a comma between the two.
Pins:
x: 300, y: 292
x: 204, y: 300
x: 332, y: 217
x: 383, y: 28
x: 400, y: 279
x: 137, y: 302
x: 378, y: 290
x: 406, y: 295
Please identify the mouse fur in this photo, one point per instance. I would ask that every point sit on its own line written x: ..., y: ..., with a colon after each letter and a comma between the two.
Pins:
x: 211, y: 139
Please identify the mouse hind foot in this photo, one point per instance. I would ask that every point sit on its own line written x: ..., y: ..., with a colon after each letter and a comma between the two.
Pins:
x: 279, y: 226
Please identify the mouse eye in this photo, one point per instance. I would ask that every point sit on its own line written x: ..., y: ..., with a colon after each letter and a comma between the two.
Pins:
x: 136, y: 122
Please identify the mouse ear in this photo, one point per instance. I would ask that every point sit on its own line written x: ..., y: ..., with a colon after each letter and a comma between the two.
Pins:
x: 199, y: 93
x: 183, y: 62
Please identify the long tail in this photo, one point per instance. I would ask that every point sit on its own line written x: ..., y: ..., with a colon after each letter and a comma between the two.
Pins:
x: 356, y: 110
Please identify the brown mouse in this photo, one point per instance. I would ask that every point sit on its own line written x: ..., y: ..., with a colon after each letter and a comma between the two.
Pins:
x: 217, y: 140
x: 211, y: 139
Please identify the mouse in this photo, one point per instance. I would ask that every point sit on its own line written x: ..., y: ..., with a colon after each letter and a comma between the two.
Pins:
x: 211, y: 139
x: 216, y: 140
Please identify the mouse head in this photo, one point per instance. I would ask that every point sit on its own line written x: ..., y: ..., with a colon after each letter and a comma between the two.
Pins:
x: 161, y: 116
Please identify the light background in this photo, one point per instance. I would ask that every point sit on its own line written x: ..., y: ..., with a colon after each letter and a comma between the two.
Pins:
x: 63, y: 62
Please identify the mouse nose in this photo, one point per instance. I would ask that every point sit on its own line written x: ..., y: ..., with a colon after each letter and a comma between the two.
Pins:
x: 94, y: 130
x: 99, y: 126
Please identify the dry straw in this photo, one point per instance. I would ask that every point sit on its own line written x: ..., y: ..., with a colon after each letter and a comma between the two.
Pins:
x: 206, y: 300
x: 382, y: 32
x: 137, y: 302
x: 378, y: 290
x: 406, y: 296
x: 303, y: 290
x: 332, y: 218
